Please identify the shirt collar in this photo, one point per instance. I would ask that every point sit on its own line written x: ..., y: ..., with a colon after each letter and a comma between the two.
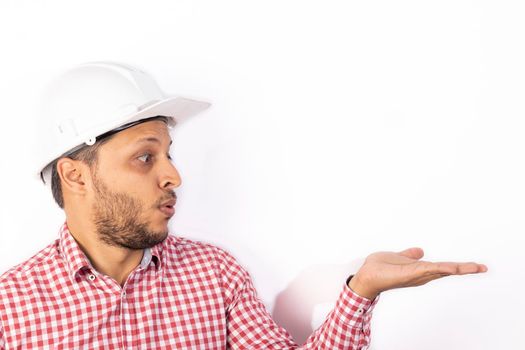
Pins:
x: 76, y: 259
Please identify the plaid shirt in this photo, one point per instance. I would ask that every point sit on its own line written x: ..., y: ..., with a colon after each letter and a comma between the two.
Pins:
x: 183, y: 295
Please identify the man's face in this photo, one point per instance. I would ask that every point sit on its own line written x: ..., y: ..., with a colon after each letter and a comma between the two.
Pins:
x: 133, y: 187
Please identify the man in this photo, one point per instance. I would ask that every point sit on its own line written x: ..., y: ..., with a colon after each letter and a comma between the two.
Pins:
x: 115, y: 278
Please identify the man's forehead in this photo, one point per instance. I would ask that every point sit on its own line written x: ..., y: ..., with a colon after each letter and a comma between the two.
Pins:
x: 151, y: 139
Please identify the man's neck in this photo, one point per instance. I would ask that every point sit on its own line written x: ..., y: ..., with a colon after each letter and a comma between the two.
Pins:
x: 115, y: 262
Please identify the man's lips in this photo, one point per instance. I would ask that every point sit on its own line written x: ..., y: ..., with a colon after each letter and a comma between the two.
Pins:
x: 168, y: 207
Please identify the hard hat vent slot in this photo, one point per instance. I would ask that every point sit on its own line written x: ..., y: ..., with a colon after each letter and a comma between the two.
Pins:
x: 67, y: 126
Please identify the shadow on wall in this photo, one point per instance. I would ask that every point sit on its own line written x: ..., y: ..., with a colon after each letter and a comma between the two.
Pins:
x: 294, y: 306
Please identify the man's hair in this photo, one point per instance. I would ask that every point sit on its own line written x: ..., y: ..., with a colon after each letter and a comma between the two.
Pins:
x: 88, y: 155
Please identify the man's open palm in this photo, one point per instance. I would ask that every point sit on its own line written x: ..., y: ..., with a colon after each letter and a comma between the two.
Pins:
x: 389, y: 270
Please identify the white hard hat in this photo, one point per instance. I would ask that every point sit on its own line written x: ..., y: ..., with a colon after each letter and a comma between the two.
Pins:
x: 94, y: 98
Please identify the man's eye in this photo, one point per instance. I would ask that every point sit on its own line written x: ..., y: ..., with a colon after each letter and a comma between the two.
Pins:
x: 145, y: 157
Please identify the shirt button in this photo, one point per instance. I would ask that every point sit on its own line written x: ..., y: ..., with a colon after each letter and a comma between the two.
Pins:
x: 92, y: 277
x: 124, y: 294
x: 360, y: 311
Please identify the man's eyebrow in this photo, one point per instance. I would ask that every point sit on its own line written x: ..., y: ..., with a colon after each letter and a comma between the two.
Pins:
x: 151, y: 139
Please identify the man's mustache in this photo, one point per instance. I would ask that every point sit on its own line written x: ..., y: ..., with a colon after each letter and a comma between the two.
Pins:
x: 168, y: 196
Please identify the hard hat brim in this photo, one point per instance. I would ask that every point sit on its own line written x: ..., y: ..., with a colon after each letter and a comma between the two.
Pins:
x: 178, y: 108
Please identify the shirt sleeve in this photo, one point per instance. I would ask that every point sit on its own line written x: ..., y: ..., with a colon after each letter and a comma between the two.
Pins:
x: 250, y: 326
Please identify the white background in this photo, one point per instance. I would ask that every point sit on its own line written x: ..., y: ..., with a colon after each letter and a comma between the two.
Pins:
x: 337, y: 129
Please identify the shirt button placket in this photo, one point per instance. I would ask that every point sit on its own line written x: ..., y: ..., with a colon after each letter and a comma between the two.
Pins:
x: 127, y: 334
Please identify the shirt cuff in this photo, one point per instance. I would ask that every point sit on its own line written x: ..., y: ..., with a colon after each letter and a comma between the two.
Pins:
x: 355, y: 310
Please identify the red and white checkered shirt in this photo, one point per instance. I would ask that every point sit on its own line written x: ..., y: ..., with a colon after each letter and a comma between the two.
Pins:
x: 183, y: 295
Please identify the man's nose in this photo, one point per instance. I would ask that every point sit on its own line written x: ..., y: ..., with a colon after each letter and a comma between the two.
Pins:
x: 170, y: 178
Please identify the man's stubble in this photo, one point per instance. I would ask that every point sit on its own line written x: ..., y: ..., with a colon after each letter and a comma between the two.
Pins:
x: 118, y: 219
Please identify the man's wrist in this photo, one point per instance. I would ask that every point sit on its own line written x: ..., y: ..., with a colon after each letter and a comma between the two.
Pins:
x: 358, y: 287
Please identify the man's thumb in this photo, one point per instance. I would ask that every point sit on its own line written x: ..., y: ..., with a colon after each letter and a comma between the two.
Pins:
x: 413, y: 253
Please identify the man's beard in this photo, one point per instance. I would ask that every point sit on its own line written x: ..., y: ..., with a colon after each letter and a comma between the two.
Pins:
x: 117, y: 219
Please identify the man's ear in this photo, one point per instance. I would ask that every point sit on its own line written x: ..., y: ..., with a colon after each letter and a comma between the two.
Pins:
x: 73, y: 175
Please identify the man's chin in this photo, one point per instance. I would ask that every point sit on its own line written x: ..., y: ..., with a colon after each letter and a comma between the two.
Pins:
x: 160, y: 232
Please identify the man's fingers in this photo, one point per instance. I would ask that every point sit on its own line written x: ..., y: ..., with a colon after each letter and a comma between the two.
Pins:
x: 451, y: 268
x: 427, y: 278
x: 462, y: 269
x: 471, y: 268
